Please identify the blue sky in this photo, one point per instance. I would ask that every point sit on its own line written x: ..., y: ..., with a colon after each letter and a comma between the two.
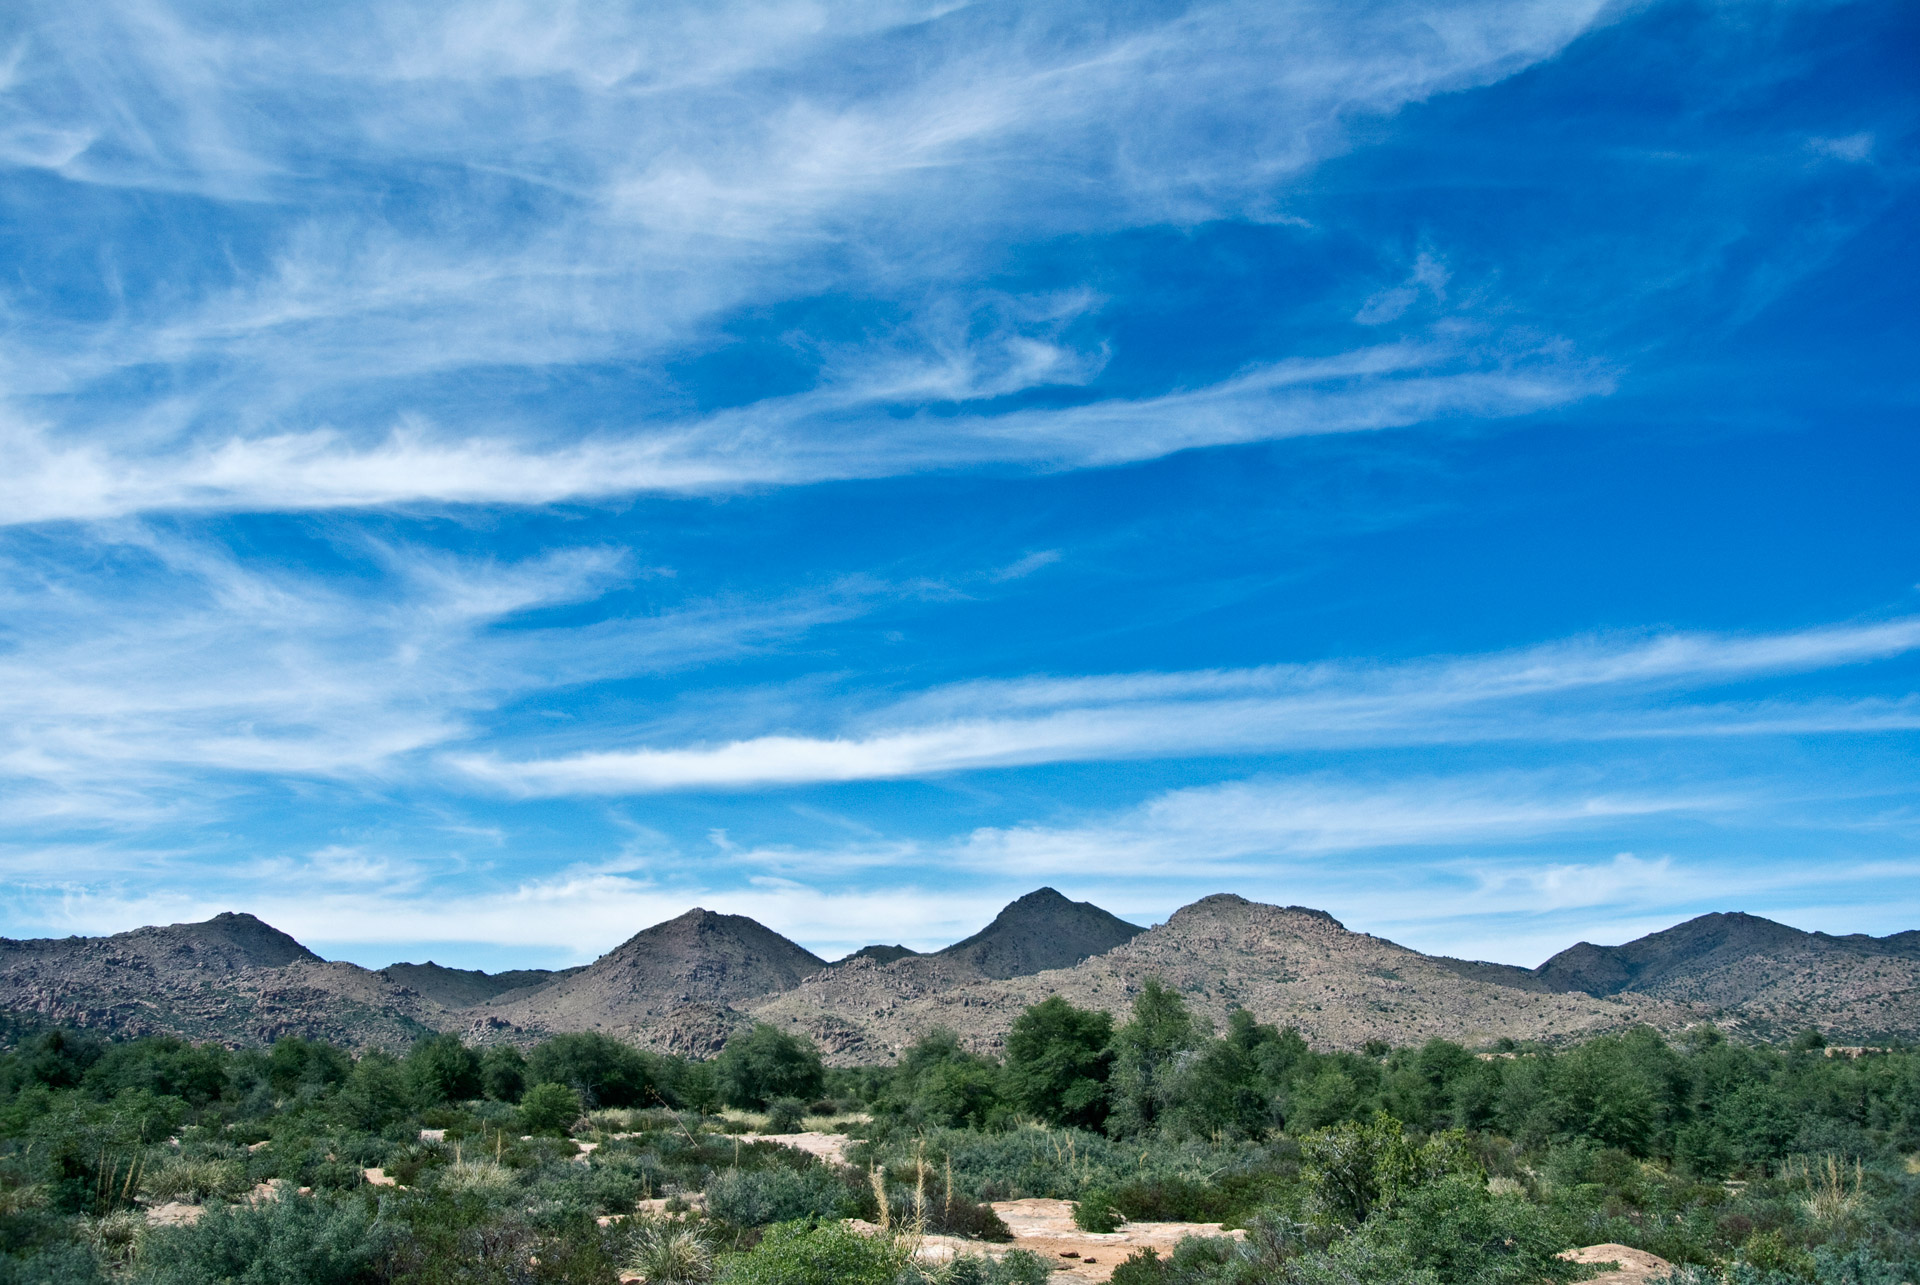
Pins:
x: 485, y: 477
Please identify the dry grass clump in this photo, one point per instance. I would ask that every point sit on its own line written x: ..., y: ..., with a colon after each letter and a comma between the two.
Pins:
x: 194, y: 1180
x: 116, y: 1236
x: 1833, y: 1192
x: 475, y: 1176
x: 671, y: 1253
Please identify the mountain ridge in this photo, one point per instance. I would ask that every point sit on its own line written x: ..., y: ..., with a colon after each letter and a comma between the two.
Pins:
x: 685, y: 984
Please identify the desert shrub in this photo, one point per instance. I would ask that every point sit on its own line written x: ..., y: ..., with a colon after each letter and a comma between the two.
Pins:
x: 503, y: 1073
x: 1058, y: 1061
x: 1463, y: 1235
x: 756, y: 1197
x: 603, y: 1071
x: 480, y: 1176
x: 785, y: 1115
x: 1146, y: 1050
x: 763, y: 1063
x: 1095, y: 1211
x: 289, y: 1241
x: 442, y: 1069
x: 164, y: 1066
x: 801, y: 1254
x: 1015, y: 1267
x: 956, y: 1215
x: 1194, y: 1260
x: 59, y: 1262
x: 305, y: 1068
x: 549, y: 1108
x: 1355, y: 1168
x: 376, y: 1093
x: 938, y: 1083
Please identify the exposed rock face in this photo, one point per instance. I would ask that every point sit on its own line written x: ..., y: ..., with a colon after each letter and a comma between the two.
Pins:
x: 639, y: 989
x: 460, y: 987
x: 1041, y: 930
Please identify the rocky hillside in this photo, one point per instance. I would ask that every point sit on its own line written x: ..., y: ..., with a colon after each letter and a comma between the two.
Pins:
x: 461, y: 987
x: 1766, y: 976
x: 1041, y: 930
x: 1291, y: 965
x: 686, y: 984
x: 676, y: 985
x: 231, y: 978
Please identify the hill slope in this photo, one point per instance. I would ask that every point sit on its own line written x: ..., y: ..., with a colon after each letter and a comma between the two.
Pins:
x: 1762, y: 974
x: 1041, y: 930
x: 684, y: 985
x: 1290, y: 965
x: 673, y: 986
x: 231, y: 978
x: 460, y: 987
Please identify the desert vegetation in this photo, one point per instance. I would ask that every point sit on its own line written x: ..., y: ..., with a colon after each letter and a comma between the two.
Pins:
x: 582, y: 1159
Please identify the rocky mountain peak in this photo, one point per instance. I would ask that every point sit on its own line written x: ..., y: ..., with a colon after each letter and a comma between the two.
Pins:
x: 1039, y: 931
x: 230, y: 941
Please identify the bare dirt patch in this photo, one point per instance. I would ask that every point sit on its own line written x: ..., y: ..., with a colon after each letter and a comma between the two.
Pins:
x: 830, y: 1147
x: 1636, y: 1266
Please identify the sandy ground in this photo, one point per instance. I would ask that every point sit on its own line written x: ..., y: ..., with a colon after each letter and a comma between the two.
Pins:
x: 830, y: 1147
x: 174, y: 1214
x: 1046, y: 1228
x: 1637, y: 1266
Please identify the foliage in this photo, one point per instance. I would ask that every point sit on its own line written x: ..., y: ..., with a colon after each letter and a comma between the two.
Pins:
x: 602, y: 1070
x: 939, y: 1083
x: 1355, y: 1168
x: 550, y: 1108
x: 442, y: 1069
x: 785, y: 1115
x: 671, y: 1253
x: 503, y: 1073
x: 1745, y: 1164
x: 1145, y: 1050
x: 763, y: 1063
x: 1015, y: 1267
x: 805, y: 1254
x: 288, y: 1241
x: 1058, y: 1061
x: 754, y: 1198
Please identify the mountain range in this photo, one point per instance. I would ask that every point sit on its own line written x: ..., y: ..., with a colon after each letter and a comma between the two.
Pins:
x: 686, y: 984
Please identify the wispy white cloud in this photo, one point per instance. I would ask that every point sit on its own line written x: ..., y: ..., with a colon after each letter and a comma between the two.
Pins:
x: 627, y: 181
x: 138, y: 660
x: 833, y: 434
x: 1515, y: 695
x: 1230, y: 831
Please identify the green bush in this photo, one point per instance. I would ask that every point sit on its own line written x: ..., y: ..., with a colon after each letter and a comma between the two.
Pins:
x: 59, y: 1263
x: 442, y: 1069
x: 785, y: 1115
x: 754, y: 1198
x: 503, y: 1073
x: 763, y: 1063
x: 549, y: 1108
x: 603, y: 1071
x: 801, y: 1254
x: 1096, y: 1211
x: 293, y: 1240
x: 1015, y: 1267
